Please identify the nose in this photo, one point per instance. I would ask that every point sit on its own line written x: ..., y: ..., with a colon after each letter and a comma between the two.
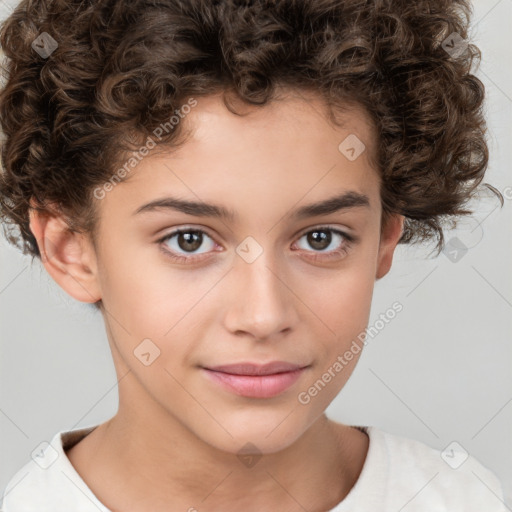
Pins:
x: 261, y: 303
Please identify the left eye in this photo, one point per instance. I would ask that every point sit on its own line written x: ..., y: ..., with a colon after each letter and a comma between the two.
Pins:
x: 321, y: 238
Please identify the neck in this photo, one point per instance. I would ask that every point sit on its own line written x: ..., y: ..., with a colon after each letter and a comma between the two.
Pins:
x: 147, y: 450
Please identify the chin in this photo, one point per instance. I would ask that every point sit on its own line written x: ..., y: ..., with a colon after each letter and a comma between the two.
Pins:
x: 268, y: 432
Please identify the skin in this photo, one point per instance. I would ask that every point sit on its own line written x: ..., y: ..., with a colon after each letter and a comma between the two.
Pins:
x: 174, y: 441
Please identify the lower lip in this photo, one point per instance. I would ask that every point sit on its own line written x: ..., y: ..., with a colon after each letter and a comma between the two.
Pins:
x: 256, y: 386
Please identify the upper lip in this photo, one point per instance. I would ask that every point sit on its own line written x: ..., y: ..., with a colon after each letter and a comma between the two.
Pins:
x: 256, y: 369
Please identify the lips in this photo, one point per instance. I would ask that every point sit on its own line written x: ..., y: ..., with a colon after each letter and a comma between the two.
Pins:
x: 257, y: 369
x: 254, y: 380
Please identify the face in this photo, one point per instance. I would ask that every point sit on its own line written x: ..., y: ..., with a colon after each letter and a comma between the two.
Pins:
x: 186, y: 289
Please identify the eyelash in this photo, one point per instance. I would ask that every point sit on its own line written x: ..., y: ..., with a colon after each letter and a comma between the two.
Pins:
x: 346, y: 244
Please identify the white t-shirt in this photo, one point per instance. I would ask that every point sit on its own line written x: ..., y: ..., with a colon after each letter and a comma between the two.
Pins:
x: 399, y: 474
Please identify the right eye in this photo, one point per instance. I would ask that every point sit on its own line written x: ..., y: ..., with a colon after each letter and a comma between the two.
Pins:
x: 187, y: 240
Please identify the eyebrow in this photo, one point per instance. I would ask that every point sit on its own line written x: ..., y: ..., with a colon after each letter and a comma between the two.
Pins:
x: 345, y: 201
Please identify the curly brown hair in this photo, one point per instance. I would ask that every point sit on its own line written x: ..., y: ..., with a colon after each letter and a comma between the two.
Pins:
x: 120, y: 67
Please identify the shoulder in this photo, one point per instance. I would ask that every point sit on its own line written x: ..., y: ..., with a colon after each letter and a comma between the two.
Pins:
x: 450, y: 479
x: 48, y: 482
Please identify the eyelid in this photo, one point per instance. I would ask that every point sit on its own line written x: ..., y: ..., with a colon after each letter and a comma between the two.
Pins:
x: 299, y: 234
x: 342, y: 231
x: 186, y: 227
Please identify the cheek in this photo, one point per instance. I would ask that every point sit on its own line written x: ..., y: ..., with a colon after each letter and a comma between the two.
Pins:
x: 154, y: 301
x: 342, y: 302
x: 342, y: 299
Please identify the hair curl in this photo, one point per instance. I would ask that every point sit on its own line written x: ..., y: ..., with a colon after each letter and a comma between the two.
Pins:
x: 121, y: 67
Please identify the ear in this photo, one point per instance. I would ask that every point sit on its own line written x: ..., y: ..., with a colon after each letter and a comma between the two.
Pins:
x: 390, y: 235
x: 69, y: 257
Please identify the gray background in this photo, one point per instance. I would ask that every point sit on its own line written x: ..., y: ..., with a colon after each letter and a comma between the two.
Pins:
x: 439, y: 372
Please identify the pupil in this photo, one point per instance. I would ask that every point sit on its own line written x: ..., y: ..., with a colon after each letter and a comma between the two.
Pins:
x: 318, y: 239
x: 192, y: 240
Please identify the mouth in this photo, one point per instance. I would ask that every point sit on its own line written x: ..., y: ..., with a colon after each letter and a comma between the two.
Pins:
x: 254, y: 380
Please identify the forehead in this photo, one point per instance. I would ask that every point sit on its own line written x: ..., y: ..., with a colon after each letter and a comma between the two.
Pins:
x: 294, y: 118
x: 270, y: 157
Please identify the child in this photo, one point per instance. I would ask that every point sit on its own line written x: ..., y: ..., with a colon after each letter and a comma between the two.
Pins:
x: 292, y: 145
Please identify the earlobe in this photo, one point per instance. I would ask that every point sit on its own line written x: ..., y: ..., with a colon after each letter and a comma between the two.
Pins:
x: 391, y: 234
x: 66, y: 255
